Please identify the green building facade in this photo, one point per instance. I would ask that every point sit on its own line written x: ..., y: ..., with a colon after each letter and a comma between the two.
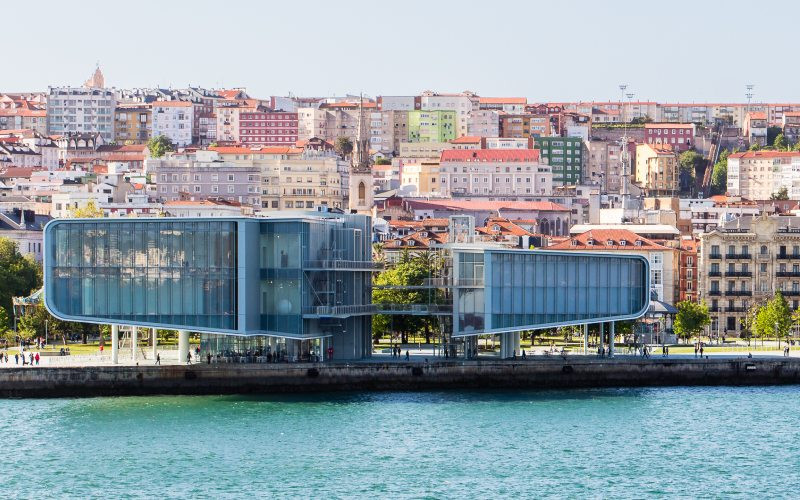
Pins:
x: 431, y: 126
x: 565, y: 155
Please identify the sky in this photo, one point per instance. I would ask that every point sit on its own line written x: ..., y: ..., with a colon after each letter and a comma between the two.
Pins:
x: 553, y: 50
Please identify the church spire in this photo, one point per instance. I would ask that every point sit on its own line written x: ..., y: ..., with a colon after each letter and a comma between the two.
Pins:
x: 360, y: 159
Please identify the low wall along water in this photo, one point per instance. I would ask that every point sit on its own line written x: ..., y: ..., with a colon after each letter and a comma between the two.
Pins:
x: 308, y: 377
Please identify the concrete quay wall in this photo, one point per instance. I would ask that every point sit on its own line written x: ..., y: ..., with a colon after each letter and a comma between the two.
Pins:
x: 374, y: 376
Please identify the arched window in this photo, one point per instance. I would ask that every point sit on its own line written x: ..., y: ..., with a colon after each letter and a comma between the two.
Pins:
x: 763, y: 249
x: 362, y: 193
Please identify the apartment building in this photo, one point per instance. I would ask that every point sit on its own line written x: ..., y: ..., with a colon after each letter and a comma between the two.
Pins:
x: 790, y: 122
x: 267, y: 128
x: 744, y: 262
x: 680, y: 136
x: 510, y: 105
x: 461, y: 104
x: 565, y: 156
x: 484, y: 123
x: 173, y: 119
x: 754, y: 128
x: 133, y: 123
x: 516, y: 172
x: 432, y: 126
x: 524, y: 125
x: 603, y: 165
x: 657, y: 169
x: 204, y: 175
x: 757, y: 175
x: 81, y: 110
x: 17, y: 113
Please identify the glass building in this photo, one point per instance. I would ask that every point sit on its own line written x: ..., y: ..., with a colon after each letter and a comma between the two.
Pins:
x: 498, y: 290
x: 303, y: 277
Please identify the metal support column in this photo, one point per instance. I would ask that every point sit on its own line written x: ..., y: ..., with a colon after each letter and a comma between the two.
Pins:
x: 134, y: 342
x: 183, y: 345
x: 115, y: 344
x: 155, y: 343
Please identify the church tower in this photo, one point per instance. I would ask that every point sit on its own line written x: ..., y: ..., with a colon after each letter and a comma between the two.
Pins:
x: 361, y: 192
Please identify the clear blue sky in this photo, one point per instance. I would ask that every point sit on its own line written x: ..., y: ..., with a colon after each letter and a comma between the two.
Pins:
x: 544, y: 50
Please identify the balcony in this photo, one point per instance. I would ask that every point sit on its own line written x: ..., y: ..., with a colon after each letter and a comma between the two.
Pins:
x: 715, y: 273
x: 738, y: 293
x: 790, y: 293
x: 738, y: 256
x: 715, y: 292
x: 714, y: 309
x: 787, y: 274
x: 736, y: 309
x: 735, y: 274
x: 715, y: 256
x: 788, y: 256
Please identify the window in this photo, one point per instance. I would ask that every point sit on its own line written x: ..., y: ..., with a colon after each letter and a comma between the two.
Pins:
x: 230, y: 178
x: 231, y: 189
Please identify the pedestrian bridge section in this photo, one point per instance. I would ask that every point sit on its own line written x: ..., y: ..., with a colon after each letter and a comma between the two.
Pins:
x: 513, y: 290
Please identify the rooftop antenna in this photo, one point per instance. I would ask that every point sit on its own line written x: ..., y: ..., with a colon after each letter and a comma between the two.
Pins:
x: 749, y: 94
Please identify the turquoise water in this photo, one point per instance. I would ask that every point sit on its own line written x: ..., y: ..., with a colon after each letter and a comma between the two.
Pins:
x: 676, y: 442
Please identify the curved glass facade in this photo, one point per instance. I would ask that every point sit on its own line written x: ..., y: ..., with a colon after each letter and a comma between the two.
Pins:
x: 506, y: 290
x: 177, y: 273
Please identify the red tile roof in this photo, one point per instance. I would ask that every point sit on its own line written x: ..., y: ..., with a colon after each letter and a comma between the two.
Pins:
x: 464, y: 205
x: 600, y: 239
x: 172, y: 104
x: 467, y: 139
x: 757, y: 115
x: 490, y: 155
x: 503, y: 100
x: 765, y: 154
x: 242, y: 150
x: 12, y: 172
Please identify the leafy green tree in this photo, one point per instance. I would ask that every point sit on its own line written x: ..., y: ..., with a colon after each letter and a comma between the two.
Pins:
x: 692, y: 317
x: 780, y: 143
x: 343, y: 146
x: 772, y: 134
x: 774, y: 319
x: 160, y: 145
x: 690, y: 162
x: 410, y: 270
x: 782, y: 194
x: 755, y: 147
x: 383, y: 161
x: 719, y: 174
x: 19, y: 275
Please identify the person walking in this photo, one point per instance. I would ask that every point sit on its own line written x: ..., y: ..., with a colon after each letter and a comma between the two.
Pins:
x: 701, y: 350
x: 696, y: 348
x: 37, y: 359
x: 158, y: 358
x: 188, y: 358
x: 408, y: 355
x: 208, y: 357
x: 16, y: 358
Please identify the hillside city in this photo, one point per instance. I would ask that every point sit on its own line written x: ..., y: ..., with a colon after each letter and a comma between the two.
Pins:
x: 707, y: 192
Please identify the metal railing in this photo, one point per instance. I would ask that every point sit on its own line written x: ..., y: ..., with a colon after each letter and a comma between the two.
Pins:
x: 351, y: 310
x: 342, y: 264
x: 738, y: 273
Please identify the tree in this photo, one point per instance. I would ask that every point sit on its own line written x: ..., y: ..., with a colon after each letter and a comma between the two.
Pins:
x: 719, y: 174
x: 160, y: 145
x: 774, y: 319
x: 690, y: 162
x: 383, y: 161
x: 90, y: 211
x: 691, y: 319
x: 782, y: 194
x: 780, y: 143
x: 19, y: 275
x: 772, y: 134
x: 410, y: 270
x: 343, y: 146
x: 755, y: 147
